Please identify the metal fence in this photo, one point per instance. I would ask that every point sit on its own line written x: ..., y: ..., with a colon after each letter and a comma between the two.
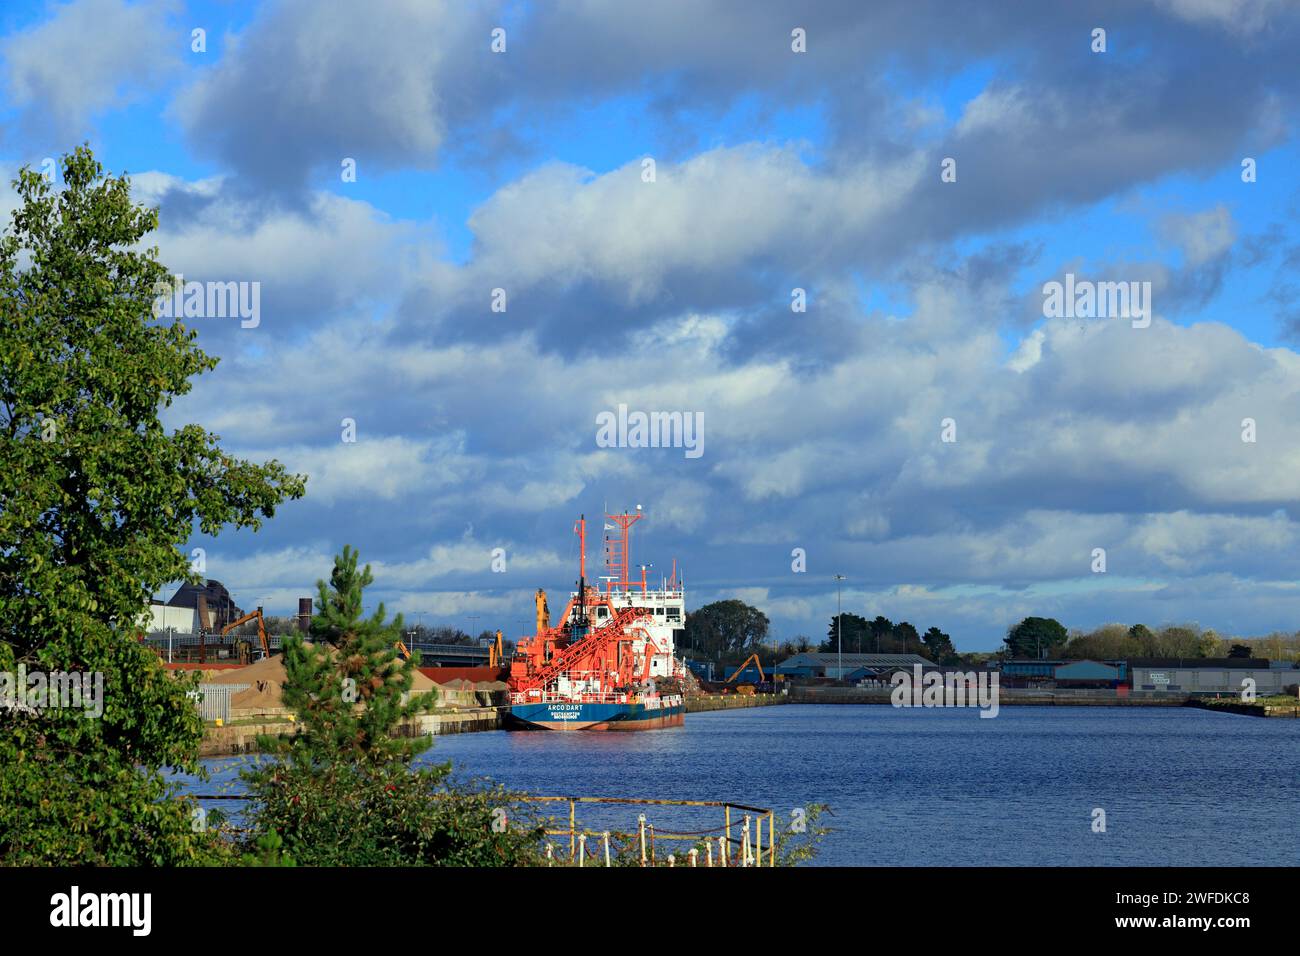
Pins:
x: 213, y: 700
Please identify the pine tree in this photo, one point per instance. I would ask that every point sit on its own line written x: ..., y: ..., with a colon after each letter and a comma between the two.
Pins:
x: 349, y: 687
x: 347, y: 790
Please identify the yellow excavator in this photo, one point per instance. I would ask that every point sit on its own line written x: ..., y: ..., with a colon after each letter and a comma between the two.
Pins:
x: 261, y: 634
x: 747, y: 689
x: 494, y: 651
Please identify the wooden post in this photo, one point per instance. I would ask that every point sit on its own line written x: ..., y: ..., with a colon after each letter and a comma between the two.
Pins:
x: 572, y: 819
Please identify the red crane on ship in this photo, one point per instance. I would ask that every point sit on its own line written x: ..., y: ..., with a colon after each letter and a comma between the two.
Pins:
x: 602, y: 655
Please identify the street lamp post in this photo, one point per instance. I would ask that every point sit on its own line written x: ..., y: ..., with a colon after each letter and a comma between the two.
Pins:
x: 839, y: 628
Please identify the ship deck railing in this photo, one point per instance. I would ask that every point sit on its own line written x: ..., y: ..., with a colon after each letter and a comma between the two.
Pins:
x: 551, y: 697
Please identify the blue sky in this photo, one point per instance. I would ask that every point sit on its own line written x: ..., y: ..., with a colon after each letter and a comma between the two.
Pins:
x: 820, y: 170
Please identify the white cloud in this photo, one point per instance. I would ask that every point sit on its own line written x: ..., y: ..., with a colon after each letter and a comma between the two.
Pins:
x: 90, y: 55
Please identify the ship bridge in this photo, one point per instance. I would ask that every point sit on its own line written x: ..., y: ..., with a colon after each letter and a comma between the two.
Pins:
x: 667, y: 602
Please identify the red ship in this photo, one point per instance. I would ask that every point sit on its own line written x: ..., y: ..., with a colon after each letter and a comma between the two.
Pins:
x: 596, y: 669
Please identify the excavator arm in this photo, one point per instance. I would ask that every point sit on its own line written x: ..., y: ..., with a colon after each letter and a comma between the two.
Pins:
x: 261, y: 629
x: 741, y: 669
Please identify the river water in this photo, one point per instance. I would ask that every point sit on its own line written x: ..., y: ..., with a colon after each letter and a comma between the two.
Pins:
x: 940, y: 787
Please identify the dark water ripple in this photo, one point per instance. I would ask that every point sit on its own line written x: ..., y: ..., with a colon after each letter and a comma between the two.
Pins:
x: 943, y: 787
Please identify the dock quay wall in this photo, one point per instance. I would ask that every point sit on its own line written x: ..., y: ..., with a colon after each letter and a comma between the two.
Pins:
x: 703, y: 702
x: 1006, y: 696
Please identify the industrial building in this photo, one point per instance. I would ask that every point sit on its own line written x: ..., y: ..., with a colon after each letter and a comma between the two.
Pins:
x: 813, y: 664
x: 180, y: 620
x: 212, y: 604
x: 1213, y: 675
x: 1062, y: 673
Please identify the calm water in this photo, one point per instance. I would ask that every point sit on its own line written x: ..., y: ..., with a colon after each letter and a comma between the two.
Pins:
x: 944, y: 787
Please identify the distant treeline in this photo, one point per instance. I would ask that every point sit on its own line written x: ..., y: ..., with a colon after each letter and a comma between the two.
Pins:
x: 1121, y: 642
x: 729, y: 631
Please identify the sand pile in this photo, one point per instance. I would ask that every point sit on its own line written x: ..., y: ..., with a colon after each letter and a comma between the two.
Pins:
x: 267, y: 678
x: 264, y: 695
x: 267, y: 669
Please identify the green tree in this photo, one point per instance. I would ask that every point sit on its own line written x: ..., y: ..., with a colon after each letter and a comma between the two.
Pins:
x: 1036, y: 636
x: 853, y: 636
x: 939, y: 647
x: 96, y: 500
x: 1111, y: 642
x: 907, y: 639
x: 1141, y: 633
x: 728, y: 628
x: 882, y: 631
x: 796, y: 645
x: 346, y: 790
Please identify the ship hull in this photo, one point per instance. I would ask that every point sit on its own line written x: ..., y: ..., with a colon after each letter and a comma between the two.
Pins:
x: 583, y: 716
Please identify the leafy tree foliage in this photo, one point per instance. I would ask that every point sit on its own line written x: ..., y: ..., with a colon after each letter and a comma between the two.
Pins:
x: 96, y: 500
x: 798, y: 644
x: 939, y: 647
x: 1117, y: 642
x: 346, y: 790
x: 850, y: 636
x: 908, y: 640
x: 725, y: 628
x: 1034, y: 635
